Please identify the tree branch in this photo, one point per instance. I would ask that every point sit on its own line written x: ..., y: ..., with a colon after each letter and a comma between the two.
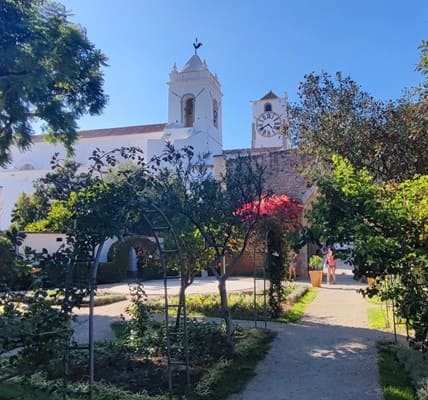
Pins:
x: 13, y: 75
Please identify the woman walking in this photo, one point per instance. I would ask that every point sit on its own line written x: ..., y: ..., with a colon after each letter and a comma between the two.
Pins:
x: 331, y: 266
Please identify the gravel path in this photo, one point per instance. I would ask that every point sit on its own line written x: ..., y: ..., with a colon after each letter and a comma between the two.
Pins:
x: 329, y: 355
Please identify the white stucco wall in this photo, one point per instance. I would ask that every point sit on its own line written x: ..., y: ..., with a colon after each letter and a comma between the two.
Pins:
x: 13, y: 184
x: 39, y: 241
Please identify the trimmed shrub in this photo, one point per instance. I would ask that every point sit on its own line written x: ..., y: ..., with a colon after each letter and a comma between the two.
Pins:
x: 422, y: 391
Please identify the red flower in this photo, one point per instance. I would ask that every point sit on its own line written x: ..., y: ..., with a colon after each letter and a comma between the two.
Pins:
x: 280, y: 207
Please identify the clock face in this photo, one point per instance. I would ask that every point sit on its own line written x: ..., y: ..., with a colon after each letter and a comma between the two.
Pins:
x: 268, y: 124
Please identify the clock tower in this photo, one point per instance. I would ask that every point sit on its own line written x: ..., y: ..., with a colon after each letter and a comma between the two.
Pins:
x: 269, y: 118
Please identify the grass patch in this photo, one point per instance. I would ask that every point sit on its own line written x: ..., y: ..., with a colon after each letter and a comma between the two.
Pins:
x: 378, y: 318
x: 104, y: 299
x: 395, y: 381
x: 298, y: 308
x: 374, y: 300
x: 241, y: 304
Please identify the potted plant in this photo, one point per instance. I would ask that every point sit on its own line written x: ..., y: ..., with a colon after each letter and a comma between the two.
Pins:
x: 316, y: 264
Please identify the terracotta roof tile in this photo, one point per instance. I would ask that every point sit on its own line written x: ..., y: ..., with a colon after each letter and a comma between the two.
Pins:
x: 126, y: 130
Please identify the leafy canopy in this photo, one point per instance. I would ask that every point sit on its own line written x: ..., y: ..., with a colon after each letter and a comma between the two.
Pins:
x: 335, y: 116
x: 387, y: 224
x: 50, y: 73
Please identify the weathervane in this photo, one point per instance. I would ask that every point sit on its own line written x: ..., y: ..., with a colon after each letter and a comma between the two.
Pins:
x: 196, y: 45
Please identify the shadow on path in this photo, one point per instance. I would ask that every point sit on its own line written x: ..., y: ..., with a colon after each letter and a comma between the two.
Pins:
x: 311, y: 360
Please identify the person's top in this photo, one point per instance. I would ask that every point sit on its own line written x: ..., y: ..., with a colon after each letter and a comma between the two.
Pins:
x: 331, y: 261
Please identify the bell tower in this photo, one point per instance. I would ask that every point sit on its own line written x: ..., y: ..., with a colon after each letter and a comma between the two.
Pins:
x: 269, y: 119
x: 194, y: 106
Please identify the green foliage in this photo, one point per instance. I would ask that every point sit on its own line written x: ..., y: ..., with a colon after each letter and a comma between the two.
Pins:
x: 229, y: 375
x: 187, y: 192
x: 422, y: 67
x: 316, y: 263
x: 212, y: 348
x: 56, y: 186
x: 58, y: 218
x: 242, y: 304
x: 37, y: 326
x: 414, y: 362
x: 410, y: 365
x: 298, y: 308
x: 7, y: 258
x: 335, y: 116
x: 394, y: 380
x: 39, y: 388
x: 277, y: 269
x: 15, y: 273
x: 26, y: 210
x: 422, y: 392
x: 208, y: 386
x: 387, y: 225
x: 50, y: 72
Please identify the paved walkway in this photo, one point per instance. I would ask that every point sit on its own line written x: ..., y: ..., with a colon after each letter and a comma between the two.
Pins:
x: 330, y: 354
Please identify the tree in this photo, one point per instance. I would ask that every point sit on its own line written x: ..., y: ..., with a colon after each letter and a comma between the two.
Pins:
x: 335, y: 116
x: 422, y: 67
x: 387, y: 224
x: 205, y: 208
x: 56, y: 185
x: 49, y: 72
x: 276, y: 216
x: 89, y: 216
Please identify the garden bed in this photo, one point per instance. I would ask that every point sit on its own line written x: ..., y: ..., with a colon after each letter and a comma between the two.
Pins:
x: 123, y: 371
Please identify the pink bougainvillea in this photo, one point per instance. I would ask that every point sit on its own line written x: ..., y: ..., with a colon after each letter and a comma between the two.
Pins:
x: 279, y: 208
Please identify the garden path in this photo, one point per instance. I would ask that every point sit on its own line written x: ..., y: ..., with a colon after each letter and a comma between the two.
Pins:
x: 330, y: 354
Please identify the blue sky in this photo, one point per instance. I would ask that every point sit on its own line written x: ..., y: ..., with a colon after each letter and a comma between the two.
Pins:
x: 254, y: 46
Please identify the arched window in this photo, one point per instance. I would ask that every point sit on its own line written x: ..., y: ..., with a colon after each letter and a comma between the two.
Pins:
x: 189, y: 110
x: 215, y: 113
x: 268, y: 107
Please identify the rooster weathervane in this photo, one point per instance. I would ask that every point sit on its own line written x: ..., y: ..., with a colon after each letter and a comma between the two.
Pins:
x: 196, y: 45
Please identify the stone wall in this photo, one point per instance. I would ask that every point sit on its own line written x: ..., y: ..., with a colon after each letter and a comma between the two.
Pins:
x: 282, y: 176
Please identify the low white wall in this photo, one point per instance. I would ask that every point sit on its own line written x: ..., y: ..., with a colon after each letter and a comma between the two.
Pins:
x: 39, y: 241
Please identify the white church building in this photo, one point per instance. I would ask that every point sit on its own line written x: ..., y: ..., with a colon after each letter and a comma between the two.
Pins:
x: 194, y: 118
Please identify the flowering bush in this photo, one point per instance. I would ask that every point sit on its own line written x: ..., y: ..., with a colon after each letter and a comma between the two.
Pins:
x: 273, y: 209
x: 275, y: 216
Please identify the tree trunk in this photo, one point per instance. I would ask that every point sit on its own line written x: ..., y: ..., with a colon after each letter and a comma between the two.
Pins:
x: 180, y: 310
x: 225, y: 309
